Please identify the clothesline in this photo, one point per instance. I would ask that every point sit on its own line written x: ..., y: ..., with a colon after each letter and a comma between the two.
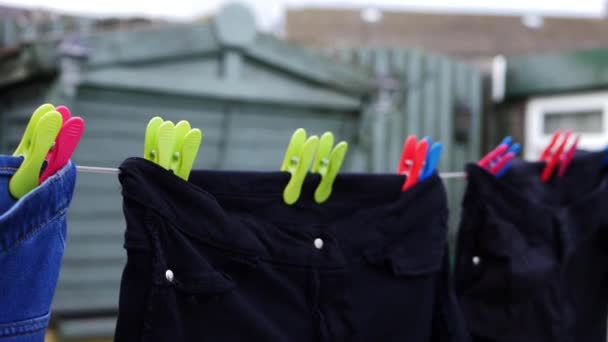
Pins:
x: 114, y: 171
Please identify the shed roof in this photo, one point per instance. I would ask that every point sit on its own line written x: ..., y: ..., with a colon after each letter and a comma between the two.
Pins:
x: 569, y: 71
x: 142, y: 60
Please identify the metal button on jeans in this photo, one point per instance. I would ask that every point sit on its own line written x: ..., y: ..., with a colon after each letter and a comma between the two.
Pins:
x: 169, y: 275
x: 318, y: 243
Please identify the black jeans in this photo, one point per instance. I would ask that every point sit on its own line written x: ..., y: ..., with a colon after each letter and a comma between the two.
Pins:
x: 222, y: 258
x: 532, y: 258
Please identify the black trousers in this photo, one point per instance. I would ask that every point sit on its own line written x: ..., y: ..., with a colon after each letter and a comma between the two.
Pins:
x: 532, y: 258
x: 222, y: 258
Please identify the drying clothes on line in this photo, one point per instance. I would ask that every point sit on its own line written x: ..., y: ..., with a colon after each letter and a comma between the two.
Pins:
x: 532, y: 257
x: 32, y: 239
x: 222, y: 258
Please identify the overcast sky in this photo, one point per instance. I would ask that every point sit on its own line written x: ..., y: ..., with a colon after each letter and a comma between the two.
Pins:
x: 270, y: 11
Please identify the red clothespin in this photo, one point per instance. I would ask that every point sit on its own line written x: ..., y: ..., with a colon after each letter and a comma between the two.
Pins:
x: 566, y: 157
x: 412, y: 161
x: 552, y: 156
x: 407, y: 155
x: 65, y: 143
x: 546, y: 152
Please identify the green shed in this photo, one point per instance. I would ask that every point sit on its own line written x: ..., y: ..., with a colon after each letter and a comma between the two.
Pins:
x: 247, y: 92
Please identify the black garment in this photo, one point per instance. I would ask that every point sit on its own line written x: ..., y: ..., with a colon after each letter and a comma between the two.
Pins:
x: 222, y: 258
x: 532, y: 258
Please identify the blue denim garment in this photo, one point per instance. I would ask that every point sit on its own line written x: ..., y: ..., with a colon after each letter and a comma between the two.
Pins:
x: 32, y: 239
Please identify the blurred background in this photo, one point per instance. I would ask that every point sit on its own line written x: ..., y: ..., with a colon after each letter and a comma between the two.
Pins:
x: 248, y: 74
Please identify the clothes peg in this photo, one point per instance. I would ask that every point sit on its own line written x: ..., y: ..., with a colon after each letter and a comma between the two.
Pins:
x: 432, y: 158
x: 417, y: 163
x: 31, y: 127
x: 508, y: 140
x: 412, y: 160
x: 566, y: 157
x: 65, y: 112
x: 500, y: 166
x: 514, y: 149
x: 173, y: 147
x: 552, y: 156
x: 298, y: 159
x: 165, y: 143
x: 546, y: 152
x: 407, y: 155
x: 34, y: 147
x: 67, y: 140
x: 189, y: 150
x: 150, y: 148
x: 328, y: 163
x: 490, y: 157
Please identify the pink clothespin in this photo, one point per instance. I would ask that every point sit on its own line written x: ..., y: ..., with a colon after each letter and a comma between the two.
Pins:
x: 500, y: 164
x: 490, y: 157
x: 65, y: 143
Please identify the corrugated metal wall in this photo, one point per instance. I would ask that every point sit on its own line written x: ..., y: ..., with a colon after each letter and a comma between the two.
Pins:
x: 424, y: 94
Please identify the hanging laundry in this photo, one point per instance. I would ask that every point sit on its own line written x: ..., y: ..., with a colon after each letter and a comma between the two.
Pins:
x: 224, y: 257
x: 531, y: 256
x: 32, y: 230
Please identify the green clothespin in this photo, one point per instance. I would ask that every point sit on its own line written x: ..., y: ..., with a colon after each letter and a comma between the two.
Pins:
x: 189, y: 150
x: 181, y: 129
x: 173, y: 147
x: 150, y: 147
x: 30, y: 128
x: 328, y: 163
x: 297, y: 161
x: 35, y: 145
x: 165, y: 143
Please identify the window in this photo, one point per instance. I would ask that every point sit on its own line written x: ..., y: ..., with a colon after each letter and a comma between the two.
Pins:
x: 584, y: 114
x: 583, y: 121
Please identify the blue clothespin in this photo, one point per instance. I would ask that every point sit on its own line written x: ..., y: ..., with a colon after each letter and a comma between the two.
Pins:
x: 507, y: 140
x: 432, y: 158
x: 515, y: 150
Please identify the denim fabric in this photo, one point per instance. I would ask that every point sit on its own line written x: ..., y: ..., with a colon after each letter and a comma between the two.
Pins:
x: 532, y: 258
x: 32, y: 238
x: 222, y: 258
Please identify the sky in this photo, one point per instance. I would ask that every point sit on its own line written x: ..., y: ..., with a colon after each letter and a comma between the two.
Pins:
x: 269, y: 12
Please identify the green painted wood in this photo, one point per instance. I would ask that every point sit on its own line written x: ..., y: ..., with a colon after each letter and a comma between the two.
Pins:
x: 85, y: 300
x: 476, y: 104
x: 415, y: 78
x: 232, y: 64
x: 86, y: 328
x: 142, y: 46
x: 220, y: 89
x: 557, y: 72
x: 432, y: 89
x: 444, y: 112
x: 399, y: 122
x: 309, y: 65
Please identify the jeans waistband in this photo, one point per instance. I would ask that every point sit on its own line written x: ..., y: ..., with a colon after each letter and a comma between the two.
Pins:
x: 244, y: 211
x: 520, y: 196
x: 41, y: 205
